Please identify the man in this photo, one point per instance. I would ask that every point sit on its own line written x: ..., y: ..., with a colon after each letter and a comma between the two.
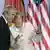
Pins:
x: 6, y: 20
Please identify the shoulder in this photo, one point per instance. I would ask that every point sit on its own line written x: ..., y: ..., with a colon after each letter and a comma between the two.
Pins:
x: 28, y: 26
x: 1, y: 18
x: 1, y: 21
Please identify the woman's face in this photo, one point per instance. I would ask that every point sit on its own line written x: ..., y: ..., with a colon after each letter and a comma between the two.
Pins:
x: 18, y: 20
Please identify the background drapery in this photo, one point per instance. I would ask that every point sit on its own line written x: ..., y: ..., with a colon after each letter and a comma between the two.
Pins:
x: 15, y: 3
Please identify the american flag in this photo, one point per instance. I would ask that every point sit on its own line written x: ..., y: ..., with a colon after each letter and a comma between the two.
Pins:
x: 45, y: 25
x: 39, y: 15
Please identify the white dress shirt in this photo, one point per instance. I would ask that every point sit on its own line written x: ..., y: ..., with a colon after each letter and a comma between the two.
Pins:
x: 23, y: 42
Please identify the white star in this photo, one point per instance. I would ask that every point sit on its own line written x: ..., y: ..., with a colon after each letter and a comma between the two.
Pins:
x: 36, y: 1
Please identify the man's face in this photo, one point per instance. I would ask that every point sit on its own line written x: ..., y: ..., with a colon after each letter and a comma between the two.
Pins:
x: 11, y: 14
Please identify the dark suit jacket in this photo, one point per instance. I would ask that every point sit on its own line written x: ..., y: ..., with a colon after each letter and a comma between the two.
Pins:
x: 4, y: 35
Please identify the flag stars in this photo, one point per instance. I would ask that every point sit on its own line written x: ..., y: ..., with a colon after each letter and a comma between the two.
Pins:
x: 36, y: 1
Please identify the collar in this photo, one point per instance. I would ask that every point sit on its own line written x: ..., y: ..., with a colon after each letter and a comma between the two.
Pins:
x: 5, y: 19
x: 9, y: 24
x: 16, y: 28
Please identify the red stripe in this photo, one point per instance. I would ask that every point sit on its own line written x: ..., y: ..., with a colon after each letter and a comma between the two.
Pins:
x: 9, y: 2
x: 35, y: 15
x: 31, y: 6
x: 14, y: 3
x: 46, y: 28
x: 17, y: 4
x: 36, y: 18
x: 30, y: 19
x: 39, y: 45
x: 45, y: 43
x: 45, y: 6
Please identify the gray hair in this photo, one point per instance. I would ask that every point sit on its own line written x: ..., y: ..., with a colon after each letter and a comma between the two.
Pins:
x: 6, y: 9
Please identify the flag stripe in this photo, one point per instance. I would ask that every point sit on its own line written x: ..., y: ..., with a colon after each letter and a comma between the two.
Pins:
x: 45, y: 36
x: 42, y: 45
x: 39, y: 16
x: 32, y: 14
x: 14, y: 3
x: 36, y: 45
x: 45, y: 15
x: 45, y: 30
x: 33, y: 7
x: 44, y: 23
x: 45, y: 5
x: 44, y: 42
